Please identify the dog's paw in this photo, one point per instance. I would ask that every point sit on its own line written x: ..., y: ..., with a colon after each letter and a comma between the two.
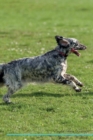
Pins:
x: 80, y: 84
x: 9, y: 102
x: 78, y: 89
x: 6, y: 99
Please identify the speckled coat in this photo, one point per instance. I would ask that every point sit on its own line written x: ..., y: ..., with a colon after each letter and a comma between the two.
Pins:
x: 49, y: 67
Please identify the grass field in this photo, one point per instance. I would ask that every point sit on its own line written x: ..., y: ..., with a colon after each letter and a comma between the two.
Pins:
x: 27, y: 28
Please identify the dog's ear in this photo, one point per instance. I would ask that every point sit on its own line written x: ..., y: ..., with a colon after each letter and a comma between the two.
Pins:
x: 61, y: 41
x: 58, y: 38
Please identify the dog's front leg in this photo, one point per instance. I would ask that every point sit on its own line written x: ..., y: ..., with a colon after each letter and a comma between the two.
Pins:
x: 70, y: 83
x: 74, y: 79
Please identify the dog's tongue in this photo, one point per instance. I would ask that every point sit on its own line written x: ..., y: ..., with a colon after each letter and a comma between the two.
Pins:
x: 75, y: 52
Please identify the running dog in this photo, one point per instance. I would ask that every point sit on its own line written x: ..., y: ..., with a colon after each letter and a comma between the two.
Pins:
x: 49, y: 67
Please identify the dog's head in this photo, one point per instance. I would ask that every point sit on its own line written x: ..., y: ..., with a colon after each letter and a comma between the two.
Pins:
x: 68, y: 45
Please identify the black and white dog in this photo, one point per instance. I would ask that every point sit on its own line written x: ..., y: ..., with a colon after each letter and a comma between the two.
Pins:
x: 49, y: 67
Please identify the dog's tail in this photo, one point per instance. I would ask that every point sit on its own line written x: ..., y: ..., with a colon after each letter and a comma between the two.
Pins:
x: 1, y: 73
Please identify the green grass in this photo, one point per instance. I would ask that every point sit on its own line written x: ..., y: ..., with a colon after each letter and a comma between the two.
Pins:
x: 27, y: 28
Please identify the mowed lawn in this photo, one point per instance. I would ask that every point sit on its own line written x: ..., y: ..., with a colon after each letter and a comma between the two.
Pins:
x: 27, y: 28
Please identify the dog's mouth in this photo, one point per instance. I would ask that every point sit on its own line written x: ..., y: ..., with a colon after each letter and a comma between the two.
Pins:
x: 79, y: 47
x: 75, y: 52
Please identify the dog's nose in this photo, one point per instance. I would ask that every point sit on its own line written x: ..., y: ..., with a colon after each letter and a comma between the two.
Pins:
x: 83, y: 47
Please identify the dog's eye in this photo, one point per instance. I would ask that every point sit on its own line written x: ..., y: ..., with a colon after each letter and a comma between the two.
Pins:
x: 71, y: 42
x: 74, y: 44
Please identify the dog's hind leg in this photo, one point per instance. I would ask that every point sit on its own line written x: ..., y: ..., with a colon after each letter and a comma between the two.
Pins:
x: 7, y: 95
x: 12, y: 88
x: 74, y: 79
x: 13, y: 82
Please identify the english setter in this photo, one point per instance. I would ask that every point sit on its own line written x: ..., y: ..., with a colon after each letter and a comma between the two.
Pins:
x: 49, y: 67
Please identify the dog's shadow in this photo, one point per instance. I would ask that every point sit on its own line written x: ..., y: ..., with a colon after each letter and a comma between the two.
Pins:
x: 46, y: 94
